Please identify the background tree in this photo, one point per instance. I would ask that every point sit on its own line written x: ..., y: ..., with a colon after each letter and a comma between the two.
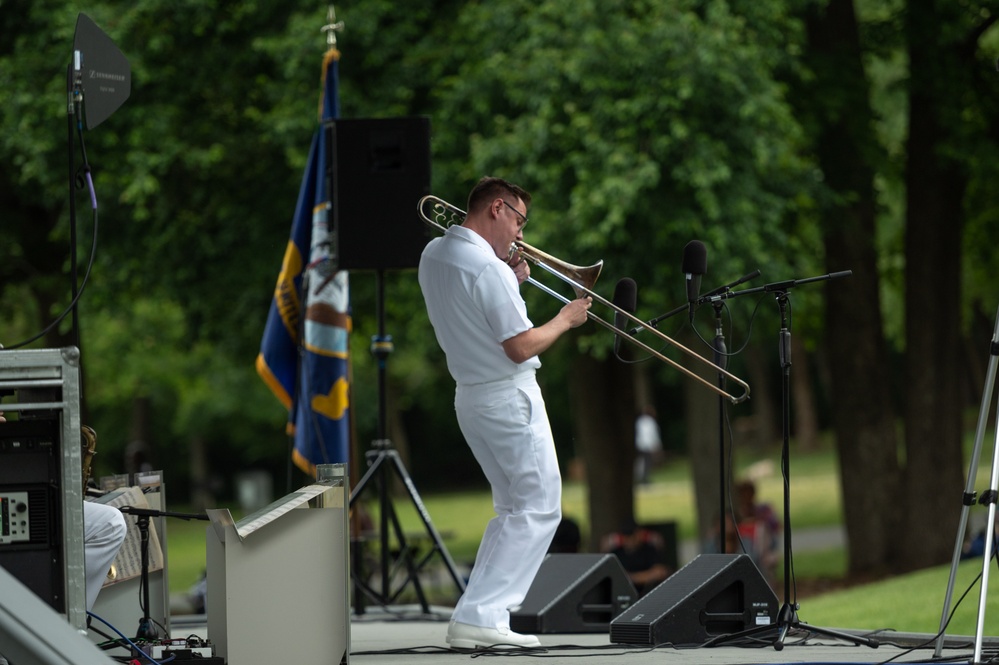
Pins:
x: 630, y: 131
x: 849, y: 153
x: 941, y: 45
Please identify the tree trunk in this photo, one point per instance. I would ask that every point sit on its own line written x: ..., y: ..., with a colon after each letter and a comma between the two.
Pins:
x: 935, y: 184
x: 806, y: 420
x: 862, y: 413
x: 201, y: 493
x: 761, y: 365
x: 603, y: 397
x: 708, y: 445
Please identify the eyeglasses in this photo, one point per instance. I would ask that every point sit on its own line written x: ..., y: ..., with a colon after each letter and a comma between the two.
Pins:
x: 523, y: 218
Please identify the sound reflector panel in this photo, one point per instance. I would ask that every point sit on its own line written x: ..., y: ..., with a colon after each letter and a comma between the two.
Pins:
x: 105, y: 76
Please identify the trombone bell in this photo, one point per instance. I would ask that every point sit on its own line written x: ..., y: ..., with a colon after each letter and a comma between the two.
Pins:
x: 583, y: 277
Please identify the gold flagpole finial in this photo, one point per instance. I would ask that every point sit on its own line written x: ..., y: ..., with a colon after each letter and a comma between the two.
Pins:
x: 332, y: 27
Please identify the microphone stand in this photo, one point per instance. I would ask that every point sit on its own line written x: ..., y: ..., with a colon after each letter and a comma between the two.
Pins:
x: 721, y: 360
x: 146, y: 629
x: 787, y: 616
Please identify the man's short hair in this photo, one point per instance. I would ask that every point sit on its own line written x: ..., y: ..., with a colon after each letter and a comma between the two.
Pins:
x: 489, y: 188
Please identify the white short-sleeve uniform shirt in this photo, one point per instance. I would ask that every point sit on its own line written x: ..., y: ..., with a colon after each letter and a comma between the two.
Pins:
x: 474, y: 303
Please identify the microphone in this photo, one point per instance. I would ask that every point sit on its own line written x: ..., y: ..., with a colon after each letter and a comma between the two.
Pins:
x: 625, y: 299
x: 695, y: 264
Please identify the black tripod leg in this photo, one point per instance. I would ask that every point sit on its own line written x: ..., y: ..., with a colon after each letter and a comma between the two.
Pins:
x: 787, y: 620
x: 856, y: 639
x: 438, y: 542
x: 360, y: 587
x: 366, y: 478
x: 406, y: 555
x: 390, y: 518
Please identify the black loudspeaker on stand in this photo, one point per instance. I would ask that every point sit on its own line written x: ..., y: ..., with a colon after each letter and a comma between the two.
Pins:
x: 379, y: 169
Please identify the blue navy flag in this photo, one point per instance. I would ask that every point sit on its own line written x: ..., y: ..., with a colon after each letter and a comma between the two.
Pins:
x: 304, y: 352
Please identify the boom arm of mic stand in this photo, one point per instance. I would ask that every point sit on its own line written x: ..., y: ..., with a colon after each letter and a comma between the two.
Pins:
x: 778, y: 287
x: 662, y: 317
x: 707, y: 297
x: 149, y: 512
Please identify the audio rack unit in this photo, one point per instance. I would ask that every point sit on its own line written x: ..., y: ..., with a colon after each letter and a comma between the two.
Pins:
x: 41, y: 484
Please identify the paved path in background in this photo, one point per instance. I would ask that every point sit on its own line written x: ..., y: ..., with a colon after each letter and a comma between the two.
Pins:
x: 802, y: 540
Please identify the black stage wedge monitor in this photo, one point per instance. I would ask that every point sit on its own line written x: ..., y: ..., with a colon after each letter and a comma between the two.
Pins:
x: 574, y: 593
x: 379, y: 170
x: 713, y: 595
x: 104, y: 74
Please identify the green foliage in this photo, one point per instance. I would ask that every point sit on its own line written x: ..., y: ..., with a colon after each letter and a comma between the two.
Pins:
x: 634, y: 134
x: 632, y: 130
x: 637, y: 124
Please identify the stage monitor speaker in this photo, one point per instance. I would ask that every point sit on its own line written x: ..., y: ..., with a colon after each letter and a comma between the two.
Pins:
x: 574, y: 593
x: 379, y: 170
x: 714, y: 594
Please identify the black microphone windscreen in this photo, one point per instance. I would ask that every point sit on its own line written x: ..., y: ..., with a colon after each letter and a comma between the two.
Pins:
x: 626, y: 299
x: 695, y: 258
x: 626, y: 294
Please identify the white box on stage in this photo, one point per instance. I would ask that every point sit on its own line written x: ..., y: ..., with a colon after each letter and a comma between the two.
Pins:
x: 278, y: 579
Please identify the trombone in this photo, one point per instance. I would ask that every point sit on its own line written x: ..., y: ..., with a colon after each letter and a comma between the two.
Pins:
x: 439, y: 214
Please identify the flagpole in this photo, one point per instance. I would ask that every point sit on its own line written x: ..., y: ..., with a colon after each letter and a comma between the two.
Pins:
x: 332, y: 27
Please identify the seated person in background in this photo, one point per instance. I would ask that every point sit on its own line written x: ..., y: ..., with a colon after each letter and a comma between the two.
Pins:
x: 567, y: 537
x: 975, y: 547
x: 758, y: 529
x: 641, y: 553
x: 713, y: 544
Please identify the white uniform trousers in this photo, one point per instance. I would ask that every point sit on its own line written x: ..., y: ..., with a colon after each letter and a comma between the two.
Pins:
x: 506, y: 426
x: 104, y: 531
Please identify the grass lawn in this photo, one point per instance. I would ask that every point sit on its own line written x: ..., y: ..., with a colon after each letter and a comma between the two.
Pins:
x: 908, y: 603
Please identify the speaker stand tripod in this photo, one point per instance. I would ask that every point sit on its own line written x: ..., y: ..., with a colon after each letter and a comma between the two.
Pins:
x: 383, y: 460
x: 787, y: 615
x: 969, y: 499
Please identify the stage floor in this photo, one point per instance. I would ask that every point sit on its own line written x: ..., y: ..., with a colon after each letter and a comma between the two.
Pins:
x: 402, y: 634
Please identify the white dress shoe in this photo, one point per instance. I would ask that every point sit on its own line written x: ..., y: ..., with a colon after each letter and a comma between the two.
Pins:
x: 465, y: 636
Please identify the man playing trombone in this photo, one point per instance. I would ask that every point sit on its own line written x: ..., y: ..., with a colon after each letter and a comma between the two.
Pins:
x: 470, y: 279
